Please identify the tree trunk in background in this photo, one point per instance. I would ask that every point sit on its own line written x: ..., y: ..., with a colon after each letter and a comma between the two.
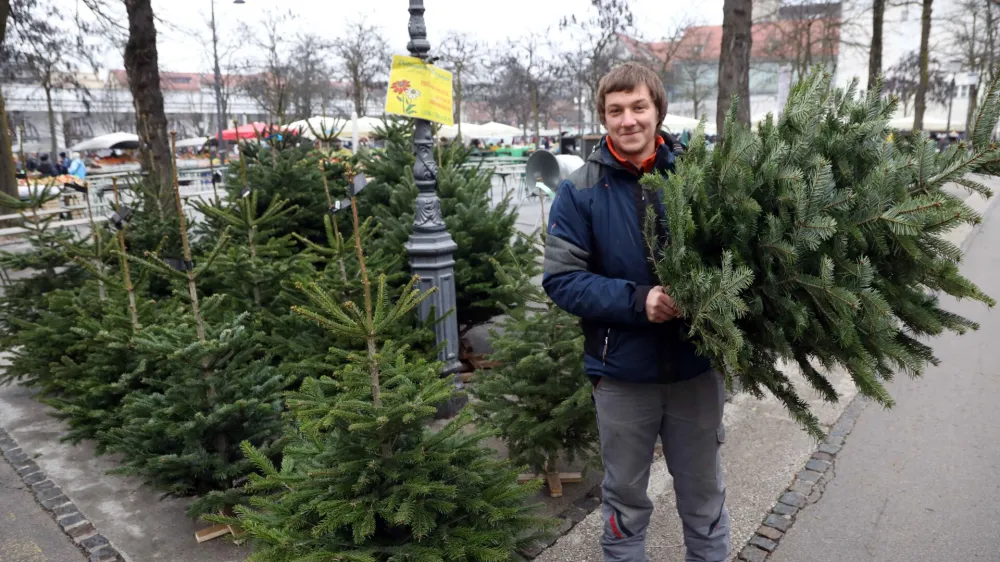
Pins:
x: 734, y: 61
x: 875, y: 53
x: 142, y: 67
x: 920, y: 103
x: 8, y: 179
x: 54, y: 143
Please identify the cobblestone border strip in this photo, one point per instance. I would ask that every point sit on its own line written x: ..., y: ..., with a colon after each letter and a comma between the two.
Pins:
x: 570, y: 516
x: 63, y: 510
x: 806, y: 489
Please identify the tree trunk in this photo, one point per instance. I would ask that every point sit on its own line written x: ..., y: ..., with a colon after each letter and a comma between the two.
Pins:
x: 920, y: 103
x: 734, y: 61
x: 8, y: 177
x: 875, y: 53
x: 4, y: 12
x: 142, y: 67
x: 458, y: 100
x: 534, y: 114
x: 52, y: 125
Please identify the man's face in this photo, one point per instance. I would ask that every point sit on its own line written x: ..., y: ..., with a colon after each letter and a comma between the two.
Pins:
x: 631, y: 119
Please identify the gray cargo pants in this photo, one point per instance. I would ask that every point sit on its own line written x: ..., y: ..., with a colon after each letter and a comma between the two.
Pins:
x: 687, y: 416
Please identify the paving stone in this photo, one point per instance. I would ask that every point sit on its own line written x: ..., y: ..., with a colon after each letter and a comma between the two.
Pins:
x: 80, y: 530
x: 770, y: 532
x: 763, y: 542
x: 18, y: 457
x: 829, y: 449
x: 21, y: 462
x: 3, y: 434
x: 28, y: 468
x: 597, y: 492
x: 43, y: 485
x: 71, y: 520
x: 793, y: 498
x: 564, y: 528
x: 575, y: 514
x: 784, y: 509
x: 64, y: 510
x: 588, y: 503
x: 533, y: 551
x: 753, y: 554
x: 106, y: 554
x: 835, y: 440
x: 821, y: 456
x: 49, y: 493
x: 93, y: 543
x: 778, y: 522
x: 7, y: 444
x: 54, y: 502
x: 35, y: 477
x: 801, y: 486
x: 808, y: 475
x: 818, y: 466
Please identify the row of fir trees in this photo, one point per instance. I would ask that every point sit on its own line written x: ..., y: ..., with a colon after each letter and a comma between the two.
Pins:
x: 267, y: 360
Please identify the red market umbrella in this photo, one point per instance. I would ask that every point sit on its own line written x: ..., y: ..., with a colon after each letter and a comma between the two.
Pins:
x: 248, y: 131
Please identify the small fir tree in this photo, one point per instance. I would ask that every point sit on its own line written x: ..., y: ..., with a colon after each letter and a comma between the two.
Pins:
x: 818, y: 241
x: 362, y: 477
x: 538, y: 398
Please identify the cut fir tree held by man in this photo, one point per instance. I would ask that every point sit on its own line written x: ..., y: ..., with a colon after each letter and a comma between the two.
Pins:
x: 812, y: 240
x: 649, y: 380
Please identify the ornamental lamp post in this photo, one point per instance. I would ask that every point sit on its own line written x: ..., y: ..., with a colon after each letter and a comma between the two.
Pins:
x: 430, y: 247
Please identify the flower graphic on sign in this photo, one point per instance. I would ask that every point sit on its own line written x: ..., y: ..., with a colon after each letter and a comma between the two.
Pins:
x: 405, y: 94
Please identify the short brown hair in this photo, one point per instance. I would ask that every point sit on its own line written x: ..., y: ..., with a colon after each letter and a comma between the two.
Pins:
x: 626, y: 77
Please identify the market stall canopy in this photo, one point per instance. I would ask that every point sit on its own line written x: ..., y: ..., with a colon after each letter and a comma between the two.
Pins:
x: 366, y: 127
x: 676, y: 123
x: 193, y: 142
x: 108, y: 141
x: 319, y: 127
x: 494, y: 129
x: 469, y: 131
x: 248, y: 131
x: 935, y: 124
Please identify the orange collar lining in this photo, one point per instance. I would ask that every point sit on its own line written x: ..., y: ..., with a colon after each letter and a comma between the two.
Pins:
x: 647, y: 164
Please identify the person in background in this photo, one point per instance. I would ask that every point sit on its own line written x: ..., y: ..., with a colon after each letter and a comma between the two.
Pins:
x: 64, y: 163
x: 46, y: 167
x: 32, y: 163
x: 76, y: 167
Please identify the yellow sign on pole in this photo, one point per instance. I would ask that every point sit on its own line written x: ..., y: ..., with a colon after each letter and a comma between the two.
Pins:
x: 419, y: 90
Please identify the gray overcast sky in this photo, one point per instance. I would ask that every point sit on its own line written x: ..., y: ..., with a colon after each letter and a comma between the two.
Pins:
x: 487, y: 21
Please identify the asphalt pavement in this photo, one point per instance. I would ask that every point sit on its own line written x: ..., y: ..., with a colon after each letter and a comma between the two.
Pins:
x: 27, y: 532
x: 921, y: 481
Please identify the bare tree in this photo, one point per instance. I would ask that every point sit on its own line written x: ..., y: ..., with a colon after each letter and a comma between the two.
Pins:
x: 46, y: 53
x: 696, y: 84
x: 606, y: 38
x: 734, y: 61
x: 363, y: 54
x: 920, y: 103
x: 461, y: 55
x: 310, y: 76
x: 532, y: 63
x: 269, y: 78
x: 875, y: 51
x: 972, y: 41
x: 902, y: 80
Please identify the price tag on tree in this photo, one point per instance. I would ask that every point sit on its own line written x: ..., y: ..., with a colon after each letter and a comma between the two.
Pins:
x: 419, y: 90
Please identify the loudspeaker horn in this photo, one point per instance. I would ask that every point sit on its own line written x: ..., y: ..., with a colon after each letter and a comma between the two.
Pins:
x: 550, y: 169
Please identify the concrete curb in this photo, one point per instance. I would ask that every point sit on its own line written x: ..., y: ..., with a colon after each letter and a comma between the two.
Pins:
x: 65, y: 513
x: 811, y: 481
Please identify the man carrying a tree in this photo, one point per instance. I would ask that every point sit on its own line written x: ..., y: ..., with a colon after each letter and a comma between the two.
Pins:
x: 648, y: 380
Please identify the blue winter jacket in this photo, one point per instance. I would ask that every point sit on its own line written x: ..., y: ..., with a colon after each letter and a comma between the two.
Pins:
x: 598, y: 267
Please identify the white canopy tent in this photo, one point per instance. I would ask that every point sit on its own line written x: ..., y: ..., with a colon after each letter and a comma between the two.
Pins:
x: 469, y: 131
x: 193, y: 142
x: 108, y: 141
x: 499, y: 130
x: 676, y: 123
x: 319, y: 126
x: 935, y: 124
